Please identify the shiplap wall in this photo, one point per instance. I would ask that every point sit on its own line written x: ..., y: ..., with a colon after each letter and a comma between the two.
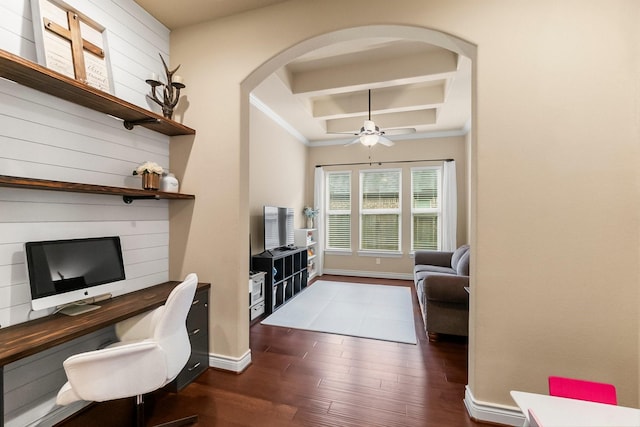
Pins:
x: 45, y: 137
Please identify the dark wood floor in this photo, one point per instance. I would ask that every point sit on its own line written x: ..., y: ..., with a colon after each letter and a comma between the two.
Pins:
x: 302, y: 378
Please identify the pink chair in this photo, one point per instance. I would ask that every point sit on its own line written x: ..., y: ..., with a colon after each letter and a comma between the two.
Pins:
x: 582, y: 390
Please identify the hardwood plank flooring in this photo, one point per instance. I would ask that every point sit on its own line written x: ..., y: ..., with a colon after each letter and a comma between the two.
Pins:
x: 303, y: 378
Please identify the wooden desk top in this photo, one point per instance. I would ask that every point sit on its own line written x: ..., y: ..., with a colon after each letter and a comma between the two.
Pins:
x: 25, y: 339
x: 560, y: 411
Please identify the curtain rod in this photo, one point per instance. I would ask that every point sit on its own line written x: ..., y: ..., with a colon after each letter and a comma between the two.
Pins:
x: 381, y: 163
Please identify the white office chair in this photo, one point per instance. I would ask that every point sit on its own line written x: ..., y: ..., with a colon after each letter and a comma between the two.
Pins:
x: 153, y: 349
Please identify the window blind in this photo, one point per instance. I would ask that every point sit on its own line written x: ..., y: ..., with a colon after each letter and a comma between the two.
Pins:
x: 338, y: 212
x: 426, y: 208
x: 380, y: 203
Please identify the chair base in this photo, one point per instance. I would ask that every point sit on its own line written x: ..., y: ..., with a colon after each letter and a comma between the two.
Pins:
x: 140, y: 421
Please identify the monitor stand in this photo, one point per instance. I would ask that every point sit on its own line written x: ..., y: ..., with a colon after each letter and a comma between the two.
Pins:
x: 75, y: 309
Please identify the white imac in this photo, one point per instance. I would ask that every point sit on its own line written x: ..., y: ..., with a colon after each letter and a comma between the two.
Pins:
x: 66, y: 273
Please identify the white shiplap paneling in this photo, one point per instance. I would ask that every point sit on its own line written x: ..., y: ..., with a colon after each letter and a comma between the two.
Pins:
x: 45, y: 137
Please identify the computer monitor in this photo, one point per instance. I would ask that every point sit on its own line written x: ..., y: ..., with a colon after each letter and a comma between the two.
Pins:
x: 63, y: 272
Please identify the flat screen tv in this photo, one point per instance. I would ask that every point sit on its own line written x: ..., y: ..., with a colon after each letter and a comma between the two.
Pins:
x: 63, y: 272
x: 278, y: 227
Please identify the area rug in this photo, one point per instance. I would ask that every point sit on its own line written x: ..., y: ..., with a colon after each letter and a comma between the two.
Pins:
x: 361, y: 310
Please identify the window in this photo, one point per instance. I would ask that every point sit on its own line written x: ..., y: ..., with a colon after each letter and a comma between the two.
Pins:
x: 426, y: 208
x: 338, y: 211
x: 380, y: 210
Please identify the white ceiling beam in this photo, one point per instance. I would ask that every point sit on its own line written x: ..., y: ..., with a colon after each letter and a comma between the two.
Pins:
x: 376, y: 72
x: 385, y: 121
x: 393, y: 99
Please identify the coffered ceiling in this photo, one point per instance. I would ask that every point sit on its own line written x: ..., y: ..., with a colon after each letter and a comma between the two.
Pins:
x: 413, y: 84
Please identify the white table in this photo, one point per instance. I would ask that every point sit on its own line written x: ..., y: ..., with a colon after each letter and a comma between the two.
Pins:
x: 554, y: 411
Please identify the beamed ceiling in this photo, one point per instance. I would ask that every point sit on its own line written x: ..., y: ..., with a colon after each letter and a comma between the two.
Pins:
x: 413, y: 84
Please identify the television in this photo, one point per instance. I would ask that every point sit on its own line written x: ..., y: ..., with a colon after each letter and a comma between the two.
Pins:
x: 64, y: 272
x: 278, y: 227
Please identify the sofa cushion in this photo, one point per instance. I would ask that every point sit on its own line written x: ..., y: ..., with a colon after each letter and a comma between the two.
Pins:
x: 462, y: 269
x: 427, y: 257
x: 433, y: 269
x: 420, y: 275
x: 445, y: 288
x: 457, y: 254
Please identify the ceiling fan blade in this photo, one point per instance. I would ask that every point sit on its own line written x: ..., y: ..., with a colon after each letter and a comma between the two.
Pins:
x: 399, y: 131
x: 385, y: 141
x: 355, y: 141
x: 344, y: 133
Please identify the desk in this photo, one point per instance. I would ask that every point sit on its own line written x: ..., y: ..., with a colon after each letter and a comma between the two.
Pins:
x: 28, y: 338
x: 559, y: 411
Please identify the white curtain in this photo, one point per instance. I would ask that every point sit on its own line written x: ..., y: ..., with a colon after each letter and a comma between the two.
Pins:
x: 319, y: 202
x: 449, y: 206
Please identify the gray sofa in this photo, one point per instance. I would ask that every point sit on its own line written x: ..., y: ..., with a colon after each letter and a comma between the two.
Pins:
x: 440, y: 279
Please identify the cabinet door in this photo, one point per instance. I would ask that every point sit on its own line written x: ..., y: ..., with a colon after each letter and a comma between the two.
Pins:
x: 198, y: 329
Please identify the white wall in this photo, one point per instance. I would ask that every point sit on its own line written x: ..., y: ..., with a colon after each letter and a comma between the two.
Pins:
x: 278, y: 173
x: 554, y: 158
x: 44, y: 137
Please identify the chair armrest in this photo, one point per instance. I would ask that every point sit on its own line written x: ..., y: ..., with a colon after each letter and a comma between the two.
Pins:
x: 442, y: 259
x: 446, y: 288
x: 138, y: 327
x: 117, y: 372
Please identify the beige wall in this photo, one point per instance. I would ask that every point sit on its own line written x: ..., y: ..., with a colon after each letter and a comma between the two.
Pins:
x: 277, y: 174
x: 554, y: 225
x: 407, y: 150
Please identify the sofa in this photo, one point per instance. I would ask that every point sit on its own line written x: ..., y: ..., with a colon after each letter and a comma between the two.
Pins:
x: 440, y: 279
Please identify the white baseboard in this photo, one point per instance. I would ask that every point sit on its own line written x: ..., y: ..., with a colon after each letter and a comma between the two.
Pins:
x: 232, y: 364
x: 372, y: 274
x: 492, y: 413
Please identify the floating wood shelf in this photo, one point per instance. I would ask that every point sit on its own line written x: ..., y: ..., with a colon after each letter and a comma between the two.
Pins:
x: 37, y: 77
x: 128, y: 194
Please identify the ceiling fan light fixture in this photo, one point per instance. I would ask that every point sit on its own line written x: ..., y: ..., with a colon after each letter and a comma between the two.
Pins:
x: 369, y: 140
x: 369, y: 126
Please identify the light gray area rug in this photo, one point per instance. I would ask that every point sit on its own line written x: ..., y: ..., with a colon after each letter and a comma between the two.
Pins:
x: 369, y: 311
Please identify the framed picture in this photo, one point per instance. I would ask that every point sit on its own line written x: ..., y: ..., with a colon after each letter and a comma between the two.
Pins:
x: 71, y: 43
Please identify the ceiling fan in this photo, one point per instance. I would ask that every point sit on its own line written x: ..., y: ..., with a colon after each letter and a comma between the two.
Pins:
x: 370, y: 134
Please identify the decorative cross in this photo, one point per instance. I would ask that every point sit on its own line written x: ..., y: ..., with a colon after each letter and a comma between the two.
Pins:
x: 78, y: 44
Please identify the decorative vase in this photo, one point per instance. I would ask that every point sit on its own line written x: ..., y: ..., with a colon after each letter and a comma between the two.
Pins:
x: 309, y: 222
x: 150, y: 181
x: 169, y: 183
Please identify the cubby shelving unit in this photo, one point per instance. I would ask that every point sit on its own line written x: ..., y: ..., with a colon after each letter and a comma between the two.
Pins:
x: 286, y: 275
x: 308, y: 238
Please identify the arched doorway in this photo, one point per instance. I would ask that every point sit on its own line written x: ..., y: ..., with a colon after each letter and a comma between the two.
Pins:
x: 418, y: 34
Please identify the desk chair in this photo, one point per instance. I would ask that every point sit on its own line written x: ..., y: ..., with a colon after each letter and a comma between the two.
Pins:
x: 153, y: 349
x: 582, y: 390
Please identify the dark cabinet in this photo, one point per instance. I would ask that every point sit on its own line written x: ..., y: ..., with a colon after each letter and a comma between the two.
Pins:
x: 286, y: 275
x: 198, y: 328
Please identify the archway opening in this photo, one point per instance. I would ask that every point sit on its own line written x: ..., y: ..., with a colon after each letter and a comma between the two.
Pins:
x: 425, y: 36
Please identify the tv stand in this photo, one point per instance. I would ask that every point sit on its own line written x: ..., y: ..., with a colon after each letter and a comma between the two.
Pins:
x: 286, y: 275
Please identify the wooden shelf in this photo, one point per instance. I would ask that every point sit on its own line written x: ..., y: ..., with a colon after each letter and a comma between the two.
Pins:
x: 37, y: 77
x: 128, y: 194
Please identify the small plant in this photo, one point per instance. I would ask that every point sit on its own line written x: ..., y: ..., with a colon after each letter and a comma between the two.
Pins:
x: 310, y: 212
x: 148, y: 167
